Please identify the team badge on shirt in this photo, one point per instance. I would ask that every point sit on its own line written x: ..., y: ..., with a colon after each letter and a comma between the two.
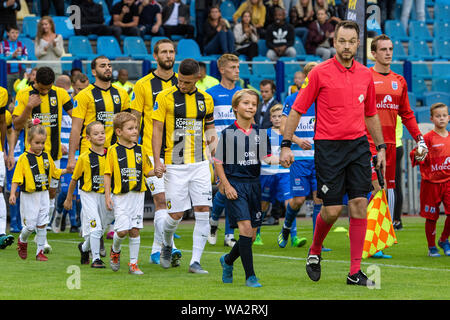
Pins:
x: 93, y: 223
x: 201, y: 105
x: 116, y: 99
x: 305, y: 83
x: 169, y: 204
x: 46, y: 164
x: 53, y: 101
x: 138, y: 158
x: 394, y: 85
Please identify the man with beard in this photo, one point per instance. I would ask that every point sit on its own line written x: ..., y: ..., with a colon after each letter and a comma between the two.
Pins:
x: 344, y: 95
x: 142, y: 100
x: 99, y: 101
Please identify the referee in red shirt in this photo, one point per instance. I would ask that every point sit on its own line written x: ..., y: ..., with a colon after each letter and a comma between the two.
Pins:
x: 344, y: 96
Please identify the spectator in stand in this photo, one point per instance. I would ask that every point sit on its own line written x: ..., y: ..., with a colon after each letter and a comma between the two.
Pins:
x: 93, y: 22
x: 176, y: 19
x: 28, y: 79
x: 300, y: 16
x: 201, y: 14
x: 387, y: 10
x: 205, y: 81
x: 150, y: 18
x: 320, y: 37
x: 125, y: 15
x: 406, y: 11
x: 280, y: 38
x: 48, y: 45
x: 45, y: 7
x: 329, y: 8
x: 271, y: 5
x: 341, y: 9
x: 8, y: 9
x: 219, y: 38
x: 258, y: 10
x: 13, y: 49
x: 246, y: 36
x: 268, y: 100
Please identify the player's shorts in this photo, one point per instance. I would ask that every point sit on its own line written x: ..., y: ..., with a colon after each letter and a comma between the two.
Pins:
x: 54, y: 184
x: 2, y: 170
x: 34, y: 208
x: 248, y: 204
x: 342, y: 166
x: 155, y: 184
x: 275, y: 187
x: 128, y: 210
x: 391, y: 156
x: 188, y: 185
x: 431, y: 196
x: 303, y: 178
x: 94, y: 214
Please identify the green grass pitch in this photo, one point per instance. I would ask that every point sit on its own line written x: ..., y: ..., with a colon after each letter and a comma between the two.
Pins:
x: 410, y: 274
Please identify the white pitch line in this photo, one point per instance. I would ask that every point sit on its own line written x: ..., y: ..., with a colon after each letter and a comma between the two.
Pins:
x: 303, y: 259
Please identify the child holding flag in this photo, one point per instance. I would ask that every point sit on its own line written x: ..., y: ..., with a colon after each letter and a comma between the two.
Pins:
x: 435, y: 185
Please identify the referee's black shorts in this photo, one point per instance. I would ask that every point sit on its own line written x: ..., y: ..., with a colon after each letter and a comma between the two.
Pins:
x: 342, y: 166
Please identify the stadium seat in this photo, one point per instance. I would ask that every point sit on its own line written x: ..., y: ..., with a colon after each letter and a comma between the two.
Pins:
x: 423, y: 115
x: 441, y: 12
x: 262, y: 48
x: 419, y: 49
x: 397, y: 68
x: 412, y: 99
x: 300, y: 49
x: 419, y: 87
x: 29, y: 27
x: 264, y: 70
x: 64, y: 27
x: 244, y: 71
x: 227, y: 9
x: 109, y: 47
x: 432, y: 97
x: 135, y: 47
x: 188, y: 48
x: 418, y: 30
x: 420, y: 70
x: 441, y: 48
x: 290, y: 68
x: 439, y: 69
x: 80, y: 47
x: 399, y: 53
x: 441, y: 29
x: 255, y: 80
x: 29, y: 44
x: 440, y: 84
x: 66, y: 67
x: 394, y: 29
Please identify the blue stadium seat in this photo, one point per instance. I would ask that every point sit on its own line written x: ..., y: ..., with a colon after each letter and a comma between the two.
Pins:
x: 419, y: 87
x: 420, y: 70
x: 441, y: 48
x: 244, y: 71
x: 418, y: 30
x: 423, y: 115
x: 441, y: 12
x: 262, y: 48
x: 106, y: 12
x: 227, y: 9
x: 153, y: 41
x: 291, y: 68
x: 397, y: 68
x: 440, y: 84
x: 300, y: 49
x: 255, y: 80
x: 109, y: 47
x: 399, y: 53
x: 66, y: 67
x: 29, y: 44
x: 439, y: 69
x: 432, y: 97
x: 188, y: 48
x: 80, y: 47
x: 412, y: 99
x: 394, y: 29
x: 419, y: 49
x: 264, y: 70
x: 135, y: 47
x: 441, y: 29
x: 64, y: 27
x: 29, y: 27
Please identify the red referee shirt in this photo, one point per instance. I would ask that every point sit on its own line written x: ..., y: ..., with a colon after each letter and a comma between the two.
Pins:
x: 343, y: 97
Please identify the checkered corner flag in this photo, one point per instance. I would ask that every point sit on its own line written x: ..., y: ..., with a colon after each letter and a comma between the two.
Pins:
x: 380, y: 231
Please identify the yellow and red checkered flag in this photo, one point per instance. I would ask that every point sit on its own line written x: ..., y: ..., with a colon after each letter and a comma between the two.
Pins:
x: 380, y: 232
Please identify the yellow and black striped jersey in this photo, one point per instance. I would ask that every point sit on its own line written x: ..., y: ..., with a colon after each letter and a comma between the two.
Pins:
x: 184, y: 117
x: 142, y: 100
x: 49, y: 112
x: 90, y: 170
x: 95, y: 104
x: 3, y: 107
x: 35, y: 172
x: 127, y: 168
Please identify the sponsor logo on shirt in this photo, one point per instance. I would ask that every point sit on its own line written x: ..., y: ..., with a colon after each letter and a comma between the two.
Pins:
x: 444, y: 166
x: 387, y: 103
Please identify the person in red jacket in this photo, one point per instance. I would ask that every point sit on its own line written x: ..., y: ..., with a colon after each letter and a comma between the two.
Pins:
x: 435, y: 184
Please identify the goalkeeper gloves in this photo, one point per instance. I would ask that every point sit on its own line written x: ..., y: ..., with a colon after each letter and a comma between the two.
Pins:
x: 422, y: 149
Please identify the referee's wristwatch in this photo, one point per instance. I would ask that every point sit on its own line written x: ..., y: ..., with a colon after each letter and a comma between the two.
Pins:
x: 286, y: 143
x: 381, y: 146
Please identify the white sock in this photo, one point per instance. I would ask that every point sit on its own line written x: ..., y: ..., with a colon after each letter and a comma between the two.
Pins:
x: 117, y: 241
x: 170, y: 226
x: 51, y: 209
x: 158, y: 223
x: 200, y: 235
x: 2, y: 214
x: 41, y: 239
x: 391, y: 201
x: 94, y: 240
x: 134, y: 249
x: 24, y: 234
x: 86, y: 246
x: 111, y: 227
x: 229, y: 236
